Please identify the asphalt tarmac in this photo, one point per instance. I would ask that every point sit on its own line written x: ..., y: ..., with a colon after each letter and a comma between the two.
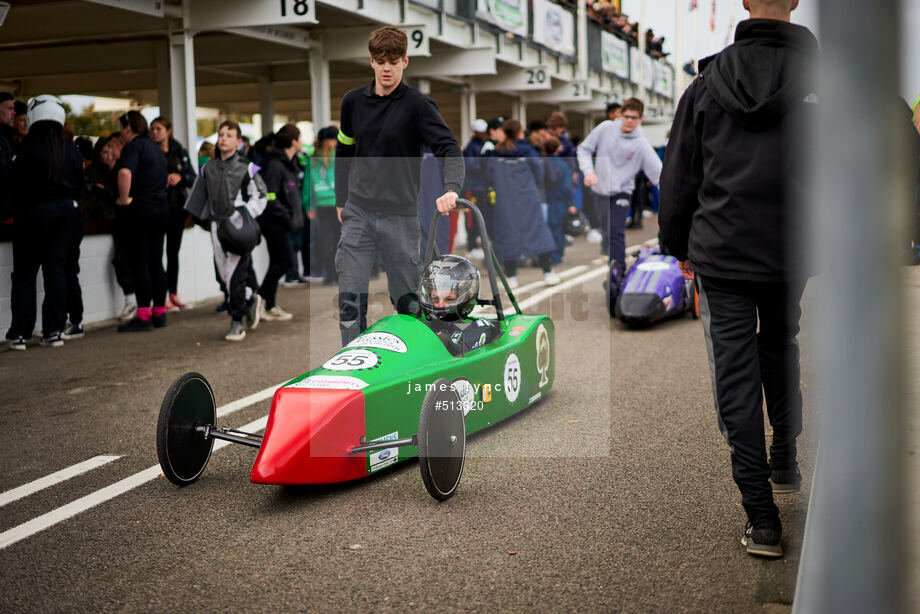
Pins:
x: 612, y: 494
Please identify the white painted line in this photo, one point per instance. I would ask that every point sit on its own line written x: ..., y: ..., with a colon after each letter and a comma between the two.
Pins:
x: 252, y: 399
x: 55, y: 478
x: 485, y: 310
x: 540, y: 296
x: 27, y: 529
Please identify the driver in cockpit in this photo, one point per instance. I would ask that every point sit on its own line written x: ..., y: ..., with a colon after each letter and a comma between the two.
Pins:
x: 447, y: 294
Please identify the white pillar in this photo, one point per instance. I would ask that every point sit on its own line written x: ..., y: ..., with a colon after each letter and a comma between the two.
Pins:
x: 519, y: 110
x: 467, y: 114
x: 582, y: 42
x: 164, y: 85
x: 319, y: 89
x: 266, y: 105
x: 182, y: 96
x: 679, y: 79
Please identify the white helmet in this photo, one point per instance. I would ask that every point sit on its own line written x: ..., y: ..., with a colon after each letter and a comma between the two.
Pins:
x: 46, y: 107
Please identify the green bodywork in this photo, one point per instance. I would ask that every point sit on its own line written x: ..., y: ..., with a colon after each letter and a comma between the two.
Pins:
x: 396, y: 384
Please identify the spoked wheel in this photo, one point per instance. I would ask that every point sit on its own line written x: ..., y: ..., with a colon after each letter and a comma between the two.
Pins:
x: 183, y: 451
x: 441, y: 440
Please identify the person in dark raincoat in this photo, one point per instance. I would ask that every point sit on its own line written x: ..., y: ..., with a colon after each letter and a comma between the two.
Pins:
x: 430, y: 188
x: 516, y: 171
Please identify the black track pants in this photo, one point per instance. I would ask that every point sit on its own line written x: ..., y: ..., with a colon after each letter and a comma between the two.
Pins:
x: 748, y: 367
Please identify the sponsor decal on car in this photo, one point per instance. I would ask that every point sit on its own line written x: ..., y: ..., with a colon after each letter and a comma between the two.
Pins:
x: 383, y: 458
x: 653, y: 265
x: 353, y: 360
x: 330, y: 382
x: 380, y: 341
x: 517, y: 330
x: 543, y: 356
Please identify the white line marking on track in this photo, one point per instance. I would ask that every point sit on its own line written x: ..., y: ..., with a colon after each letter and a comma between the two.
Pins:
x: 252, y: 399
x: 55, y: 478
x: 27, y: 529
x: 545, y: 294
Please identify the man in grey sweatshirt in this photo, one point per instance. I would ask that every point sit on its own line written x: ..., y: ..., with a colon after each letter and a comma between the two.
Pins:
x: 620, y: 152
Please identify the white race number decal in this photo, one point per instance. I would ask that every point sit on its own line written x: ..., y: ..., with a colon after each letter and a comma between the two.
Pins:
x: 351, y: 360
x: 512, y: 378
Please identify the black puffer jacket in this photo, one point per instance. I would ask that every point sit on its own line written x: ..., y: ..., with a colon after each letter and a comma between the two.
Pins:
x: 734, y: 175
x: 282, y: 179
x: 177, y: 162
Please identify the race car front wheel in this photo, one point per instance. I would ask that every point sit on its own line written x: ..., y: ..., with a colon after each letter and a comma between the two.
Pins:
x: 441, y: 440
x: 182, y: 448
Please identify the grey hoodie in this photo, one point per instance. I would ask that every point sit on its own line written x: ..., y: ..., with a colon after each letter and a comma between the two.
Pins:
x: 618, y: 158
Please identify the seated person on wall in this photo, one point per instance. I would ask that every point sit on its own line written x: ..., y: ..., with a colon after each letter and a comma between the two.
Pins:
x: 447, y: 294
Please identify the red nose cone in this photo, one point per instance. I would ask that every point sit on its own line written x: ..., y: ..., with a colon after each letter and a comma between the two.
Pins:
x: 307, y: 437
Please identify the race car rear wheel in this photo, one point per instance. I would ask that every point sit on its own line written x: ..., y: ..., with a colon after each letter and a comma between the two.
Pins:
x: 182, y: 449
x: 441, y: 440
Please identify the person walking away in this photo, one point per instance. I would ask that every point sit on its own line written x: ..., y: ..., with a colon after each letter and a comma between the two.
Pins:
x: 106, y: 189
x: 225, y: 183
x: 516, y: 171
x: 179, y: 180
x: 74, y: 295
x: 621, y: 151
x: 474, y: 187
x: 281, y: 216
x: 731, y: 193
x: 319, y: 199
x: 560, y: 199
x: 7, y: 118
x: 141, y: 181
x: 378, y: 166
x: 45, y: 180
x: 640, y: 201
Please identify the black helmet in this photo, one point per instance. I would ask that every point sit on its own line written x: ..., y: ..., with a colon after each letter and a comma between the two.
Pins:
x: 575, y: 224
x: 449, y: 288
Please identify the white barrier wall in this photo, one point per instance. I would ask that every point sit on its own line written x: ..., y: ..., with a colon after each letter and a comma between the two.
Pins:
x: 102, y: 297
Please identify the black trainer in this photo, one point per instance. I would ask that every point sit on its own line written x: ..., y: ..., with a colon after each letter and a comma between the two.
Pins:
x: 74, y: 331
x: 53, y: 340
x: 785, y: 478
x: 763, y: 540
x: 135, y: 324
x: 158, y: 321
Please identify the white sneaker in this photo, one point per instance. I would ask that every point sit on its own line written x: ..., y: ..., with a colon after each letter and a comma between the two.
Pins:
x: 236, y: 332
x: 647, y: 213
x: 476, y: 254
x: 551, y: 279
x: 128, y: 312
x: 276, y: 313
x: 513, y: 282
x: 594, y: 236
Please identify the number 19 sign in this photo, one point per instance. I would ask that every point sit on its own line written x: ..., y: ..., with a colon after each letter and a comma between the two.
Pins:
x: 220, y: 14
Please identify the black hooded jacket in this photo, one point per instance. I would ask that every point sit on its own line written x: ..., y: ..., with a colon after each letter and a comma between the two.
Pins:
x: 281, y: 175
x: 734, y: 172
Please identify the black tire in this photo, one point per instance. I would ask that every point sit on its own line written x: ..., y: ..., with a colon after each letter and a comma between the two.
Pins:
x: 182, y: 451
x: 441, y: 440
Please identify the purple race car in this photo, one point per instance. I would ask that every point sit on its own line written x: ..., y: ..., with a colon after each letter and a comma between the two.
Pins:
x: 654, y: 289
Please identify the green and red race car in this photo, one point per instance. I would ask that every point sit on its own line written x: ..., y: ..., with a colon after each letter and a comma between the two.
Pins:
x: 394, y: 393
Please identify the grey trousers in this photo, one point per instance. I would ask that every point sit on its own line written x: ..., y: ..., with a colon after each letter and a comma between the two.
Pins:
x: 367, y: 235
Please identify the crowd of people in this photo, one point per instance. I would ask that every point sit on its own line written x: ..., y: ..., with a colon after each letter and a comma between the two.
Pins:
x: 608, y: 15
x: 141, y: 183
x: 138, y: 182
x: 135, y: 183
